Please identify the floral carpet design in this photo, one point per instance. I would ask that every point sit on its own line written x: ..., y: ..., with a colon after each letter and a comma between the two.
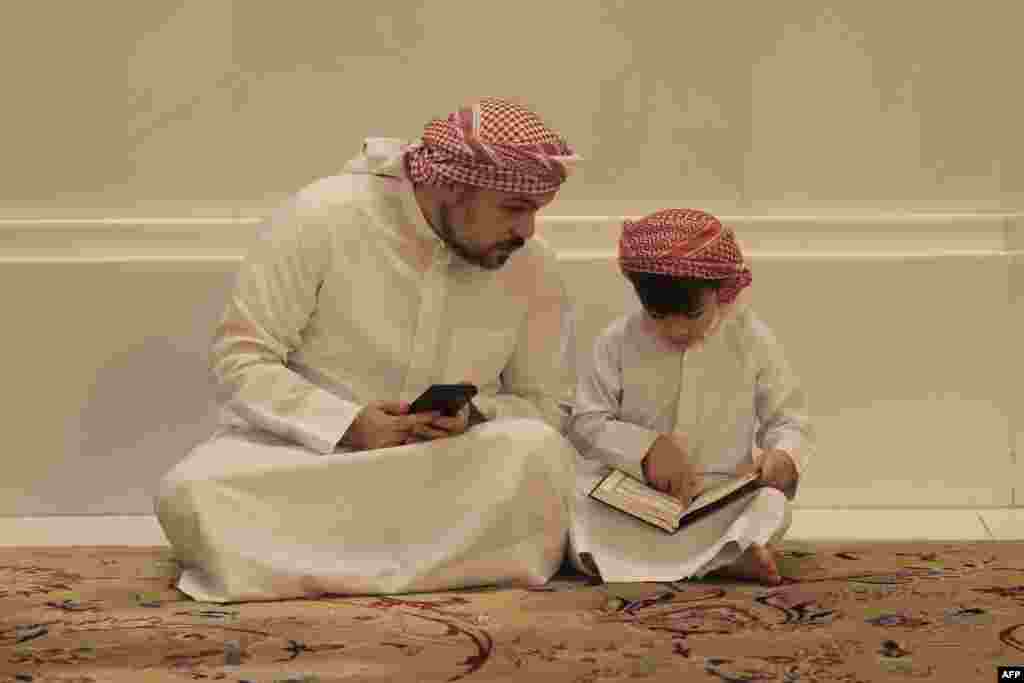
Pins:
x: 848, y: 613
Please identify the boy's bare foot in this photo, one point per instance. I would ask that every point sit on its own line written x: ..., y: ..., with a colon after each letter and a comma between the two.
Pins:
x: 757, y: 563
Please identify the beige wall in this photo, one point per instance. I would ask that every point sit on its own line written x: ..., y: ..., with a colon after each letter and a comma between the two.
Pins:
x: 176, y: 107
x: 904, y: 329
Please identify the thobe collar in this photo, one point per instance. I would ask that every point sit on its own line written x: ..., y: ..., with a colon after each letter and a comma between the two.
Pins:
x: 421, y: 227
x: 386, y: 157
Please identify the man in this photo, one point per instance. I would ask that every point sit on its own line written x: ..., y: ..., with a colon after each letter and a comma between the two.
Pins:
x: 414, y: 266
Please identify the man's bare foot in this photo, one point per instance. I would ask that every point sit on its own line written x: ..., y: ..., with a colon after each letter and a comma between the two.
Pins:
x: 757, y: 563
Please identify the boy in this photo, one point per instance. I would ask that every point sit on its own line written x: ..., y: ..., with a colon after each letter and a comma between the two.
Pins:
x: 676, y: 394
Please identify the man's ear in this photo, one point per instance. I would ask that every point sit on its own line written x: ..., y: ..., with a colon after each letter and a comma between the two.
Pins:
x: 460, y: 194
x: 444, y: 194
x: 451, y: 195
x: 433, y: 196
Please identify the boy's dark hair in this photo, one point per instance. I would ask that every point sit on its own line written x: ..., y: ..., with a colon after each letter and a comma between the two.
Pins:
x: 669, y: 295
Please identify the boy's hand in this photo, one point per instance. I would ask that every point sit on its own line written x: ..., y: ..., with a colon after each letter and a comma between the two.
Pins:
x: 777, y: 470
x: 667, y: 467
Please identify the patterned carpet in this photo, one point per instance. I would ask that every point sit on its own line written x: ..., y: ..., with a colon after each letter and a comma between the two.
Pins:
x: 851, y: 612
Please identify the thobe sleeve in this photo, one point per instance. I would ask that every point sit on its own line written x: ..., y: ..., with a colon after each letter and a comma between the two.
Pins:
x: 781, y: 404
x: 274, y: 296
x: 539, y: 376
x: 595, y: 428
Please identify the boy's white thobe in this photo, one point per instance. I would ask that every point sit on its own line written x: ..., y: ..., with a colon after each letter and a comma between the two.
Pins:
x: 737, y: 389
x: 350, y: 297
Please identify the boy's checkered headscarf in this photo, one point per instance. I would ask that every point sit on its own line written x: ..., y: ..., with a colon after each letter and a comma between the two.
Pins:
x: 685, y: 243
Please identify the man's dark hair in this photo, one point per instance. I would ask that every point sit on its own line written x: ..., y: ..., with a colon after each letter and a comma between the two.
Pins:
x: 664, y: 295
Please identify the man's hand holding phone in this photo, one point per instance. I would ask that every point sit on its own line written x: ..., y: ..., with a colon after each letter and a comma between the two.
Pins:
x: 441, y: 427
x: 384, y: 424
x: 451, y: 403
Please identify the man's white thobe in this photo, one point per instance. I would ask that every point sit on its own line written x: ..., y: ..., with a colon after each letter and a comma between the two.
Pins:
x: 737, y: 389
x: 350, y: 297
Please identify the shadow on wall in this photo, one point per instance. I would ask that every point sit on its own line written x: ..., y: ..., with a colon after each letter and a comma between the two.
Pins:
x: 148, y: 406
x: 151, y: 397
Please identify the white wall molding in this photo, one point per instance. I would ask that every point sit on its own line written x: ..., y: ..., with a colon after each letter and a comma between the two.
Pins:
x: 757, y: 255
x: 818, y: 234
x: 575, y: 237
x: 115, y: 238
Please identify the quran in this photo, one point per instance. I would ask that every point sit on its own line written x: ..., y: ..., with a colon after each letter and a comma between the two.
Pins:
x: 625, y: 493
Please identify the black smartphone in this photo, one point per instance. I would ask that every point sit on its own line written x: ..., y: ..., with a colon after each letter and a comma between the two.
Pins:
x: 449, y: 399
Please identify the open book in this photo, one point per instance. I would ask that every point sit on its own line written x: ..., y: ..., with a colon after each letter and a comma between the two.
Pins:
x: 623, y: 492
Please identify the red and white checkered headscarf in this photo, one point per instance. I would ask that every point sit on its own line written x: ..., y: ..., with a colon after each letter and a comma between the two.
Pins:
x: 492, y: 144
x: 685, y: 243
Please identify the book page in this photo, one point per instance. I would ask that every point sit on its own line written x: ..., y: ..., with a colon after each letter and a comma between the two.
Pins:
x: 622, y: 490
x: 711, y: 495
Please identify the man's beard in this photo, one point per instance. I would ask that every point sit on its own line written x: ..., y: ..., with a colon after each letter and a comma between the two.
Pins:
x: 491, y: 259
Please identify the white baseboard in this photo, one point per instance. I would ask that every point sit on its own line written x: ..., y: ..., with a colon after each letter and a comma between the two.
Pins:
x: 133, y: 530
x: 809, y: 524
